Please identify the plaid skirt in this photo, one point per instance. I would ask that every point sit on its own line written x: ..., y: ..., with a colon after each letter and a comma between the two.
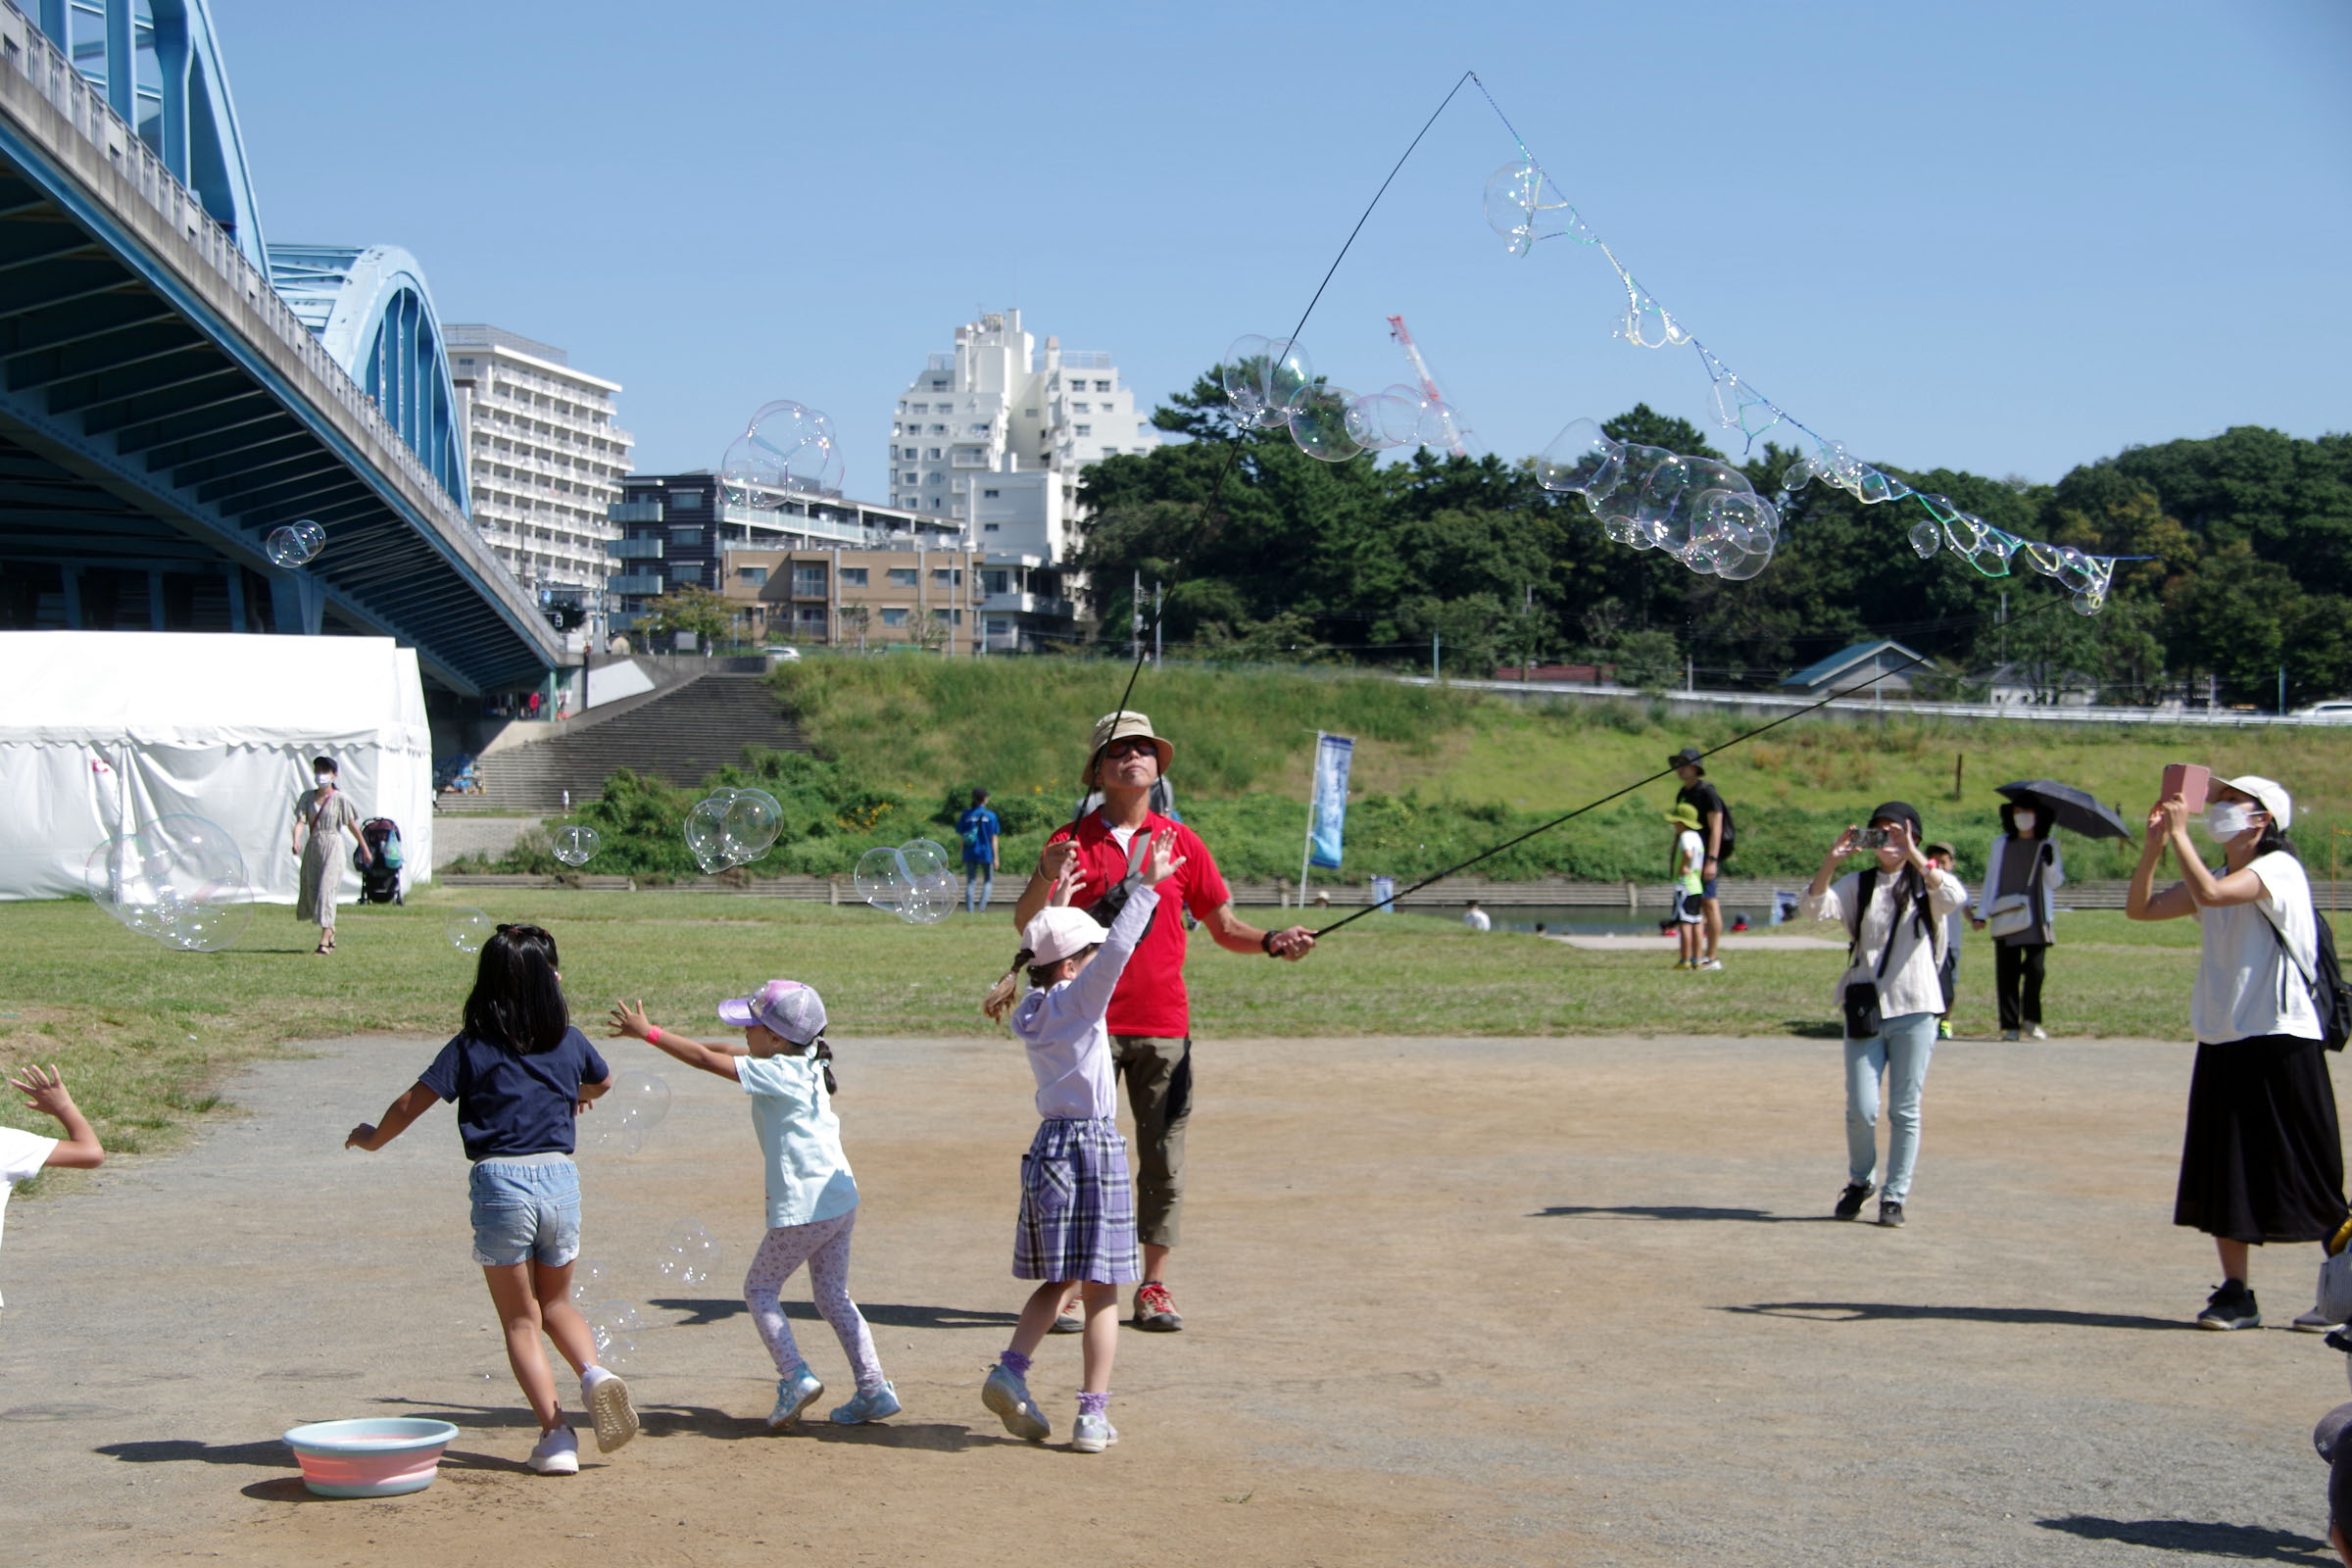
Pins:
x: 1077, y: 1205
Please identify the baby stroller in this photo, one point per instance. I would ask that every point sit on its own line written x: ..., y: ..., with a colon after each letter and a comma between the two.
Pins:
x: 379, y: 878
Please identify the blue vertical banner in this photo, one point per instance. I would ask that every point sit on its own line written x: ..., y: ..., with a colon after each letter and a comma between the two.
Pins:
x: 1333, y: 755
x: 1384, y: 894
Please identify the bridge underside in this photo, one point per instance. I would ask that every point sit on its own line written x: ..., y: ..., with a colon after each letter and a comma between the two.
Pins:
x: 147, y: 449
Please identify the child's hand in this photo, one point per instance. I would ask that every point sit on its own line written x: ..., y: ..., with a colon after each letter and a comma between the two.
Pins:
x: 44, y: 1090
x: 362, y: 1137
x: 1162, y: 862
x: 629, y: 1020
x: 1066, y: 883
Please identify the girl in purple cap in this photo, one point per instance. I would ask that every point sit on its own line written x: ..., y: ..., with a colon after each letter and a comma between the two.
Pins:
x: 786, y: 1067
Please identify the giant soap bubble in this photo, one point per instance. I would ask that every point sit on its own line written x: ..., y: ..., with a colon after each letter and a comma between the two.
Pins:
x: 787, y: 446
x: 576, y: 843
x: 1266, y: 378
x: 468, y: 929
x: 690, y: 1254
x: 297, y: 544
x: 706, y: 835
x: 749, y: 823
x: 913, y: 881
x: 180, y: 880
x: 632, y: 1108
x: 1320, y: 424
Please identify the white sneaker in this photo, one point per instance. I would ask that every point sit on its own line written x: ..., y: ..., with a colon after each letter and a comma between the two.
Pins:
x: 2314, y: 1321
x: 2037, y: 1032
x: 1710, y: 963
x: 607, y: 1401
x: 1093, y: 1433
x: 558, y: 1453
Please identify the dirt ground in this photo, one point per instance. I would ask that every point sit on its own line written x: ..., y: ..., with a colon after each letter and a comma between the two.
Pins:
x: 1477, y: 1302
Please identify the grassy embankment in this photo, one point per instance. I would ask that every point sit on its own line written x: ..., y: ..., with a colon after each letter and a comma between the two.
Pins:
x: 145, y: 1035
x: 1438, y: 772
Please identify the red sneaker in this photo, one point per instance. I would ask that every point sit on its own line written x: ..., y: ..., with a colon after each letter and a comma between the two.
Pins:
x: 1156, y: 1309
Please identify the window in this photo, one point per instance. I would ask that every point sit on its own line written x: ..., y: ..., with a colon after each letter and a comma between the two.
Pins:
x: 987, y: 527
x: 939, y: 386
x: 751, y: 574
x: 939, y: 478
x: 946, y: 576
x: 908, y: 453
x: 684, y: 500
x: 937, y: 453
x: 808, y: 582
x: 1082, y: 408
x: 894, y: 617
x: 918, y: 408
x: 1028, y: 413
x: 938, y: 429
x: 809, y: 618
x: 902, y: 576
x: 687, y: 537
x: 996, y: 582
x: 1102, y: 386
x: 980, y: 427
x: 853, y: 576
x: 1082, y: 429
x: 988, y: 495
x: 686, y: 572
x: 910, y: 478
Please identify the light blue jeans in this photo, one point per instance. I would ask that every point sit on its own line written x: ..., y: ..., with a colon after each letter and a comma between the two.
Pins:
x: 1900, y: 1049
x: 979, y: 881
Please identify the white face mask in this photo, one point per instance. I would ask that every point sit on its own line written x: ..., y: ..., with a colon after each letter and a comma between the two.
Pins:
x: 323, y: 779
x: 2228, y: 819
x: 2025, y: 821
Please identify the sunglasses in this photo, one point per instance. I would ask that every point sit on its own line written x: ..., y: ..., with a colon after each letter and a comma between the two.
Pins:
x: 1130, y: 746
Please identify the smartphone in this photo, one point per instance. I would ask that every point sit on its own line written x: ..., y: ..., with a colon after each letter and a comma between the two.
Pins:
x: 2186, y: 782
x: 1871, y: 838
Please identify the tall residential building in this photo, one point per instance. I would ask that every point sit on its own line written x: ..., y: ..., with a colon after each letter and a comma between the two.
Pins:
x: 544, y: 460
x: 992, y: 439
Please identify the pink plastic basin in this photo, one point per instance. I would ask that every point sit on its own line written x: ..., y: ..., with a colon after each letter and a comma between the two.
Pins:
x: 380, y: 1457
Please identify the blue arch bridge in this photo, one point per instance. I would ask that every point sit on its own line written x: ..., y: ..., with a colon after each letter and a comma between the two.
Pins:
x: 172, y: 387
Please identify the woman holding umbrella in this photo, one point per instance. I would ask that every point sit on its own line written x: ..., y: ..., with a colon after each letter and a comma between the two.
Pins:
x: 2022, y: 870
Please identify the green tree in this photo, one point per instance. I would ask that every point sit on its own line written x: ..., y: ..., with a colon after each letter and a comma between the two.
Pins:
x: 696, y: 611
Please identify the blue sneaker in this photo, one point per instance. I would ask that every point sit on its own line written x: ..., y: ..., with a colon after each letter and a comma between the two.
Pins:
x: 794, y: 1394
x: 1093, y: 1433
x: 878, y: 1406
x: 1008, y: 1395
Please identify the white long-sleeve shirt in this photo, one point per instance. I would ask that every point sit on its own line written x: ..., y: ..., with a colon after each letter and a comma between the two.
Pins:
x: 1062, y: 1027
x: 1910, y: 983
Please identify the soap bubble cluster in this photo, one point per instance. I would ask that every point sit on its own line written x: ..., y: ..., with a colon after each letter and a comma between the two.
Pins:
x: 1271, y: 383
x: 297, y: 544
x: 588, y: 1281
x: 576, y: 843
x: 1701, y: 511
x: 180, y: 880
x: 468, y: 929
x: 1705, y: 527
x: 690, y: 1254
x: 787, y: 446
x: 732, y: 827
x: 915, y: 881
x: 615, y: 1325
x: 632, y: 1108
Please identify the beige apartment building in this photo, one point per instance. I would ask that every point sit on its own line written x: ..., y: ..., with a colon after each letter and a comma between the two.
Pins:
x: 843, y: 597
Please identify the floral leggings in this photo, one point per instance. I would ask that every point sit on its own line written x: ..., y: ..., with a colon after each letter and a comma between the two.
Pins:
x: 825, y: 1246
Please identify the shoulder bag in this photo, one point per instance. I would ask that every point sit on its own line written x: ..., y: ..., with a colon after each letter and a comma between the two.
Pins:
x: 1862, y: 1018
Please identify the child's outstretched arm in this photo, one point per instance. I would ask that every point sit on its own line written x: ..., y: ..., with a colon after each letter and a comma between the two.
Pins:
x: 630, y: 1022
x: 406, y: 1108
x: 45, y: 1092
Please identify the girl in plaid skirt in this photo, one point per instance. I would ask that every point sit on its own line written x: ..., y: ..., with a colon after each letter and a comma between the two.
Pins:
x: 1077, y: 1222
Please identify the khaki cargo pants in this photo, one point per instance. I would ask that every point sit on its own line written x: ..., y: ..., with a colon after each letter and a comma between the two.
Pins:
x: 1160, y: 1093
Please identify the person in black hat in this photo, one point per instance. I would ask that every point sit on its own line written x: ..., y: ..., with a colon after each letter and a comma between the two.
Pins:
x: 1715, y: 827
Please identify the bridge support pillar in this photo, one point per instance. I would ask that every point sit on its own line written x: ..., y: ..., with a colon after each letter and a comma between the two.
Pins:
x: 297, y: 604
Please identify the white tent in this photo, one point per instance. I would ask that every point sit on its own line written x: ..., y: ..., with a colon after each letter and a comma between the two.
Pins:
x: 103, y: 733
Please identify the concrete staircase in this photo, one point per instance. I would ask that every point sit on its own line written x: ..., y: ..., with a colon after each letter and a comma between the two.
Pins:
x: 682, y: 735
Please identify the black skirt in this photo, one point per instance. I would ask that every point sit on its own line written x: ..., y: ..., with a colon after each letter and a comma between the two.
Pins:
x: 2263, y: 1159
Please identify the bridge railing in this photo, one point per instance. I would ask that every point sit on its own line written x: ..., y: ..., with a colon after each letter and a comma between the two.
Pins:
x: 29, y: 51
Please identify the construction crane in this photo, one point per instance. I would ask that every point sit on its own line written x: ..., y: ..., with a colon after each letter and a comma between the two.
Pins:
x: 1457, y: 433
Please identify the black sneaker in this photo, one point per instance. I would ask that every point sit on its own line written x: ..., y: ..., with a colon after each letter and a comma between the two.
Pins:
x: 2231, y: 1307
x: 1849, y: 1201
x: 1890, y: 1212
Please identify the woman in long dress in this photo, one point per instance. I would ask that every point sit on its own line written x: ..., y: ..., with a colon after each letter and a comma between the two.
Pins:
x: 2262, y: 1158
x: 320, y: 816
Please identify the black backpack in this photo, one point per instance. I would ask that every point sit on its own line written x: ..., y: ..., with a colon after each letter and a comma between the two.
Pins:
x: 2329, y: 997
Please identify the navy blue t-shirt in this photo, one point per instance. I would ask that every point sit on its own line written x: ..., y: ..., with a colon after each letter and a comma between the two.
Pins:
x: 509, y: 1105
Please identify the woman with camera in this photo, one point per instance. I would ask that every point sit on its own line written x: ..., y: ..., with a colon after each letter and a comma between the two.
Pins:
x: 2262, y: 1158
x: 1895, y: 911
x: 2021, y: 871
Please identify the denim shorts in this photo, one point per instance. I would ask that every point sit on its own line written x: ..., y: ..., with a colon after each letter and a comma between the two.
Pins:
x: 526, y: 1211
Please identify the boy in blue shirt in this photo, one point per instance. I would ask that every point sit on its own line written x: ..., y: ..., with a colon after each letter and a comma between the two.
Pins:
x: 979, y: 829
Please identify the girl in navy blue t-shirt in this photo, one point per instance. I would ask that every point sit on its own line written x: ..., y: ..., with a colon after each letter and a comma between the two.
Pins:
x: 519, y: 1073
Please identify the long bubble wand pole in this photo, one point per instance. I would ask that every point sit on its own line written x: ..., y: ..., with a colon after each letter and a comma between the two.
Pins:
x: 1748, y: 735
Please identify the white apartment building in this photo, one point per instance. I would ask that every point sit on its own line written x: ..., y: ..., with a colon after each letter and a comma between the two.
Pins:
x: 544, y: 460
x: 992, y: 439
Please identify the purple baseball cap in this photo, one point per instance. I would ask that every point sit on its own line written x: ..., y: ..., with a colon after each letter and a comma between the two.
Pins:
x: 790, y: 1009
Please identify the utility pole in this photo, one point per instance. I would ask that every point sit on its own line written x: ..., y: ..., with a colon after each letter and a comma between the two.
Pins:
x: 1156, y: 618
x: 2004, y: 625
x: 1134, y: 604
x: 1433, y: 657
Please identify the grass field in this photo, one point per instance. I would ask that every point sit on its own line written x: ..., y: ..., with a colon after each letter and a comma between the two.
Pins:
x: 925, y: 729
x: 146, y: 1035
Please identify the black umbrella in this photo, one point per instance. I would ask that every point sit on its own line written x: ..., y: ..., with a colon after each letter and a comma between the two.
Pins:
x: 2069, y: 807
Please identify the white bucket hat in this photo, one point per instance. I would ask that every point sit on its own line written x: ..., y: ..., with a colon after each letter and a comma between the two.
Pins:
x: 1060, y: 931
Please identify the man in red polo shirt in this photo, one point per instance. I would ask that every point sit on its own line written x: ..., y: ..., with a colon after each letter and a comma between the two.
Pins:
x: 1150, y: 1019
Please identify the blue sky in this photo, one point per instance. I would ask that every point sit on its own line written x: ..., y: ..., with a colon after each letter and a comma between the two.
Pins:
x: 2010, y: 238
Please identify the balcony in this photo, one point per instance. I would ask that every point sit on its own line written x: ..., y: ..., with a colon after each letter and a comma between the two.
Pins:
x: 633, y: 512
x: 646, y: 585
x: 1025, y: 604
x: 1084, y: 360
x: 634, y: 549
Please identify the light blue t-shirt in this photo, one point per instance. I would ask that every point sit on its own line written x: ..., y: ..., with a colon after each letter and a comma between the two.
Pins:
x: 808, y: 1176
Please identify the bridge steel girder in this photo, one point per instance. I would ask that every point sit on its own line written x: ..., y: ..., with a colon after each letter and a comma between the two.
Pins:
x: 400, y: 559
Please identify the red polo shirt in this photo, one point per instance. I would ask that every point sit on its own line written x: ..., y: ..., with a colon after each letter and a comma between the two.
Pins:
x: 1150, y: 999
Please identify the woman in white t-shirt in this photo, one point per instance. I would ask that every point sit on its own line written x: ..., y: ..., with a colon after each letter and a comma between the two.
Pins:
x: 2262, y: 1159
